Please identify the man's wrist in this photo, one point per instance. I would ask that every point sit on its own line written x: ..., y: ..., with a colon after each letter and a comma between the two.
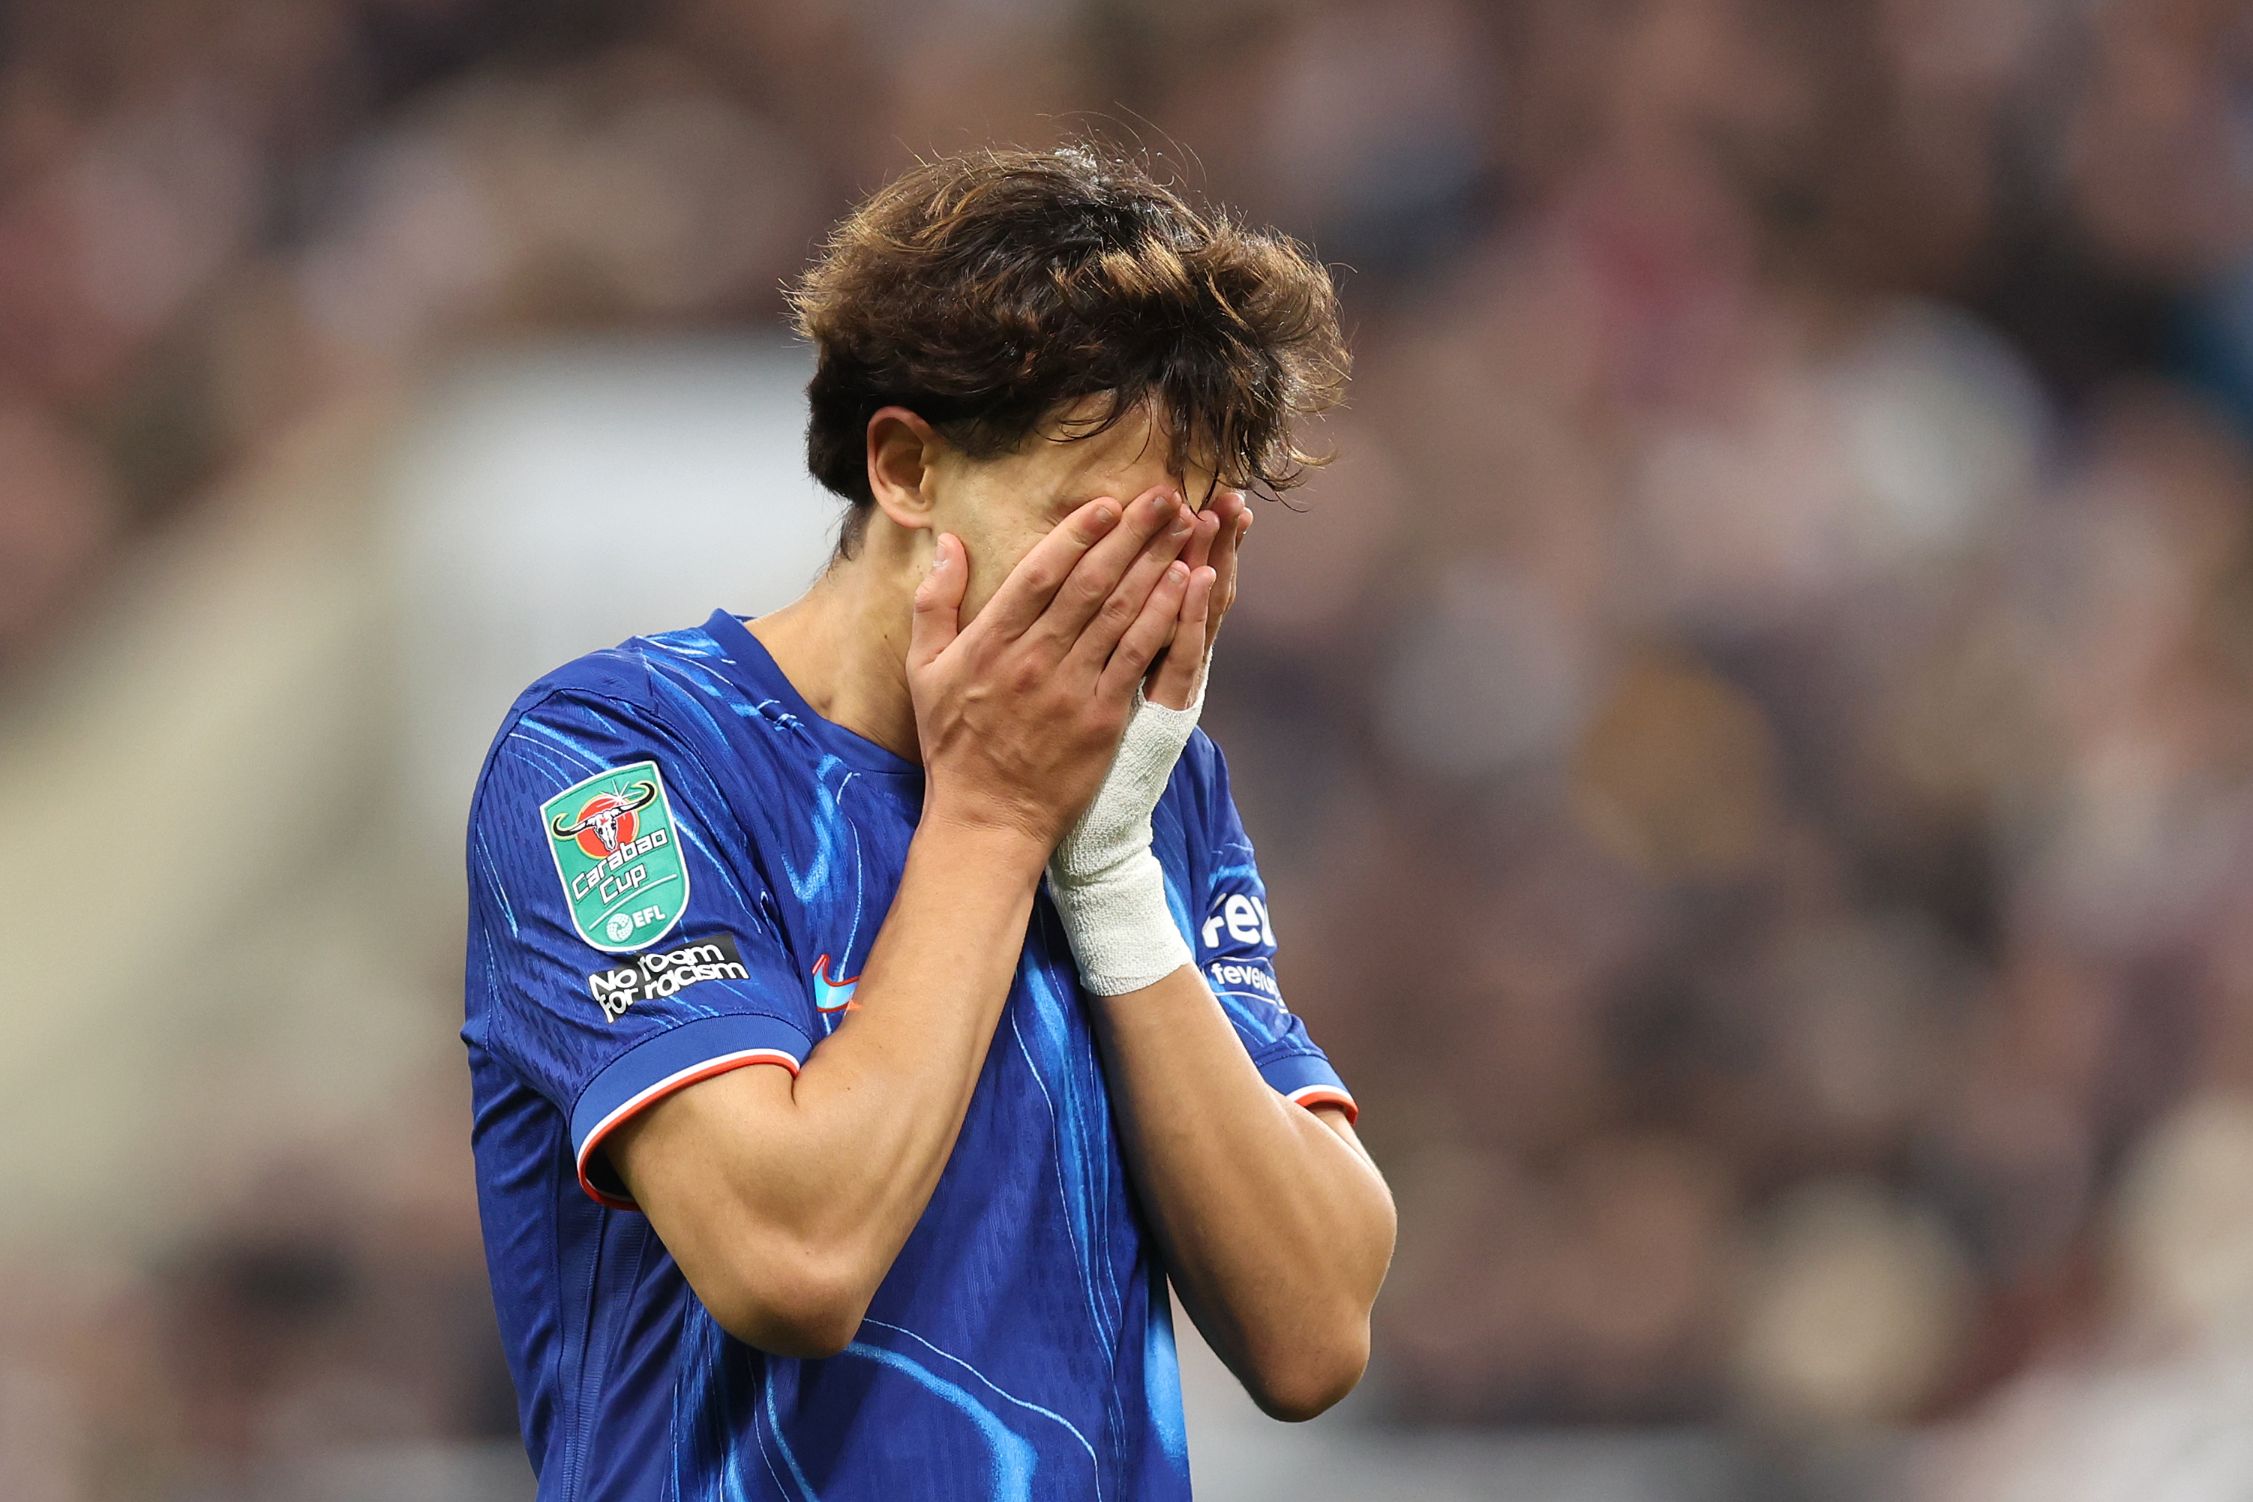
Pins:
x: 989, y: 841
x: 1120, y: 926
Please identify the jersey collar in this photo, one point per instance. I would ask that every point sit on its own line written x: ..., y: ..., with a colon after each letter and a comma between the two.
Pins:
x: 754, y: 670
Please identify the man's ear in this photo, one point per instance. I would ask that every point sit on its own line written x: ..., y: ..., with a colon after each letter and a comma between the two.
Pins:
x: 902, y: 450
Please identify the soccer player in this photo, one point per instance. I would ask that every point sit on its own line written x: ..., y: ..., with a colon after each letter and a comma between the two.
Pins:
x: 871, y: 1005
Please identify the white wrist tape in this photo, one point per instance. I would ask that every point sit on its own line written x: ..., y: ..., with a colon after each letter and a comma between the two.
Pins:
x: 1104, y: 879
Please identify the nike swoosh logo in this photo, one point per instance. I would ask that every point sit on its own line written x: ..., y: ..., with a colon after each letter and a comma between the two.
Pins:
x: 833, y: 995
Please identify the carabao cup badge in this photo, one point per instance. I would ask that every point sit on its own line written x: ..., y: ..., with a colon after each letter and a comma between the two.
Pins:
x: 618, y: 856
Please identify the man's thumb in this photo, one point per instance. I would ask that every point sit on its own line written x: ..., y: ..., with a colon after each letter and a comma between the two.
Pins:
x: 938, y: 601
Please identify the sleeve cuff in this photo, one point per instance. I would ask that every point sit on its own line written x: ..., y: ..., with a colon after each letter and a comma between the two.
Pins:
x: 672, y: 1060
x: 1308, y: 1079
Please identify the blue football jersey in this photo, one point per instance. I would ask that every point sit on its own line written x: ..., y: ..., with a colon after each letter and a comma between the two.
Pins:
x: 676, y: 868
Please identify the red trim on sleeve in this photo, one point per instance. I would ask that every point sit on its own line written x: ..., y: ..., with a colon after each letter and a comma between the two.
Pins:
x: 1327, y: 1095
x: 657, y: 1092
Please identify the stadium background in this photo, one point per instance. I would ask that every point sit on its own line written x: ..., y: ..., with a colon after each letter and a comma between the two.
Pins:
x: 1749, y: 743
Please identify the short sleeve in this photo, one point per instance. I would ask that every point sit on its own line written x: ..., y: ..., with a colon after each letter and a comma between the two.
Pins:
x: 628, y: 947
x: 1235, y: 943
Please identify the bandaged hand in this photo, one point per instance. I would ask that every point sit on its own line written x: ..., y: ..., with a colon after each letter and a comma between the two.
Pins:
x: 1104, y: 878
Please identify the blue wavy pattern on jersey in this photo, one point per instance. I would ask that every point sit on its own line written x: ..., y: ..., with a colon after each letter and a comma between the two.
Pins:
x: 1161, y: 1373
x: 1022, y: 1344
x: 1011, y: 1477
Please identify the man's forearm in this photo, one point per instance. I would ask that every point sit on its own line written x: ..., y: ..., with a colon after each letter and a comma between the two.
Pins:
x: 785, y: 1200
x: 1276, y: 1227
x: 887, y: 1092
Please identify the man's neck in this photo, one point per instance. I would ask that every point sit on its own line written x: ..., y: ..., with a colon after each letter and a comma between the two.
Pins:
x: 843, y: 646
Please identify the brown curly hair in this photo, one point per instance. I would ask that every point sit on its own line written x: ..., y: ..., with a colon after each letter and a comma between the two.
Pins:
x: 1006, y: 292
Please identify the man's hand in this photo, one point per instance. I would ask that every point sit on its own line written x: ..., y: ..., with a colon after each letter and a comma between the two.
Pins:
x: 1104, y: 879
x: 1018, y: 713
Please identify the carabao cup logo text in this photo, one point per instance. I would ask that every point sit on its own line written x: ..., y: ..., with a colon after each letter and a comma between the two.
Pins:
x: 618, y: 856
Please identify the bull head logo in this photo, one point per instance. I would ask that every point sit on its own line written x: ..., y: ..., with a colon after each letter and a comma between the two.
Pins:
x: 606, y: 821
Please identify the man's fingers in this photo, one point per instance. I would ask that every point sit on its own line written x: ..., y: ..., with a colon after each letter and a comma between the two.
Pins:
x: 1227, y: 558
x: 1156, y: 522
x: 1200, y: 549
x: 1176, y: 681
x: 1032, y: 584
x: 1146, y: 638
x: 1101, y: 636
x: 938, y: 602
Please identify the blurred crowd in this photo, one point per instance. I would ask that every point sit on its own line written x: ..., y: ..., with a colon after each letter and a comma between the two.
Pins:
x: 1751, y: 757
